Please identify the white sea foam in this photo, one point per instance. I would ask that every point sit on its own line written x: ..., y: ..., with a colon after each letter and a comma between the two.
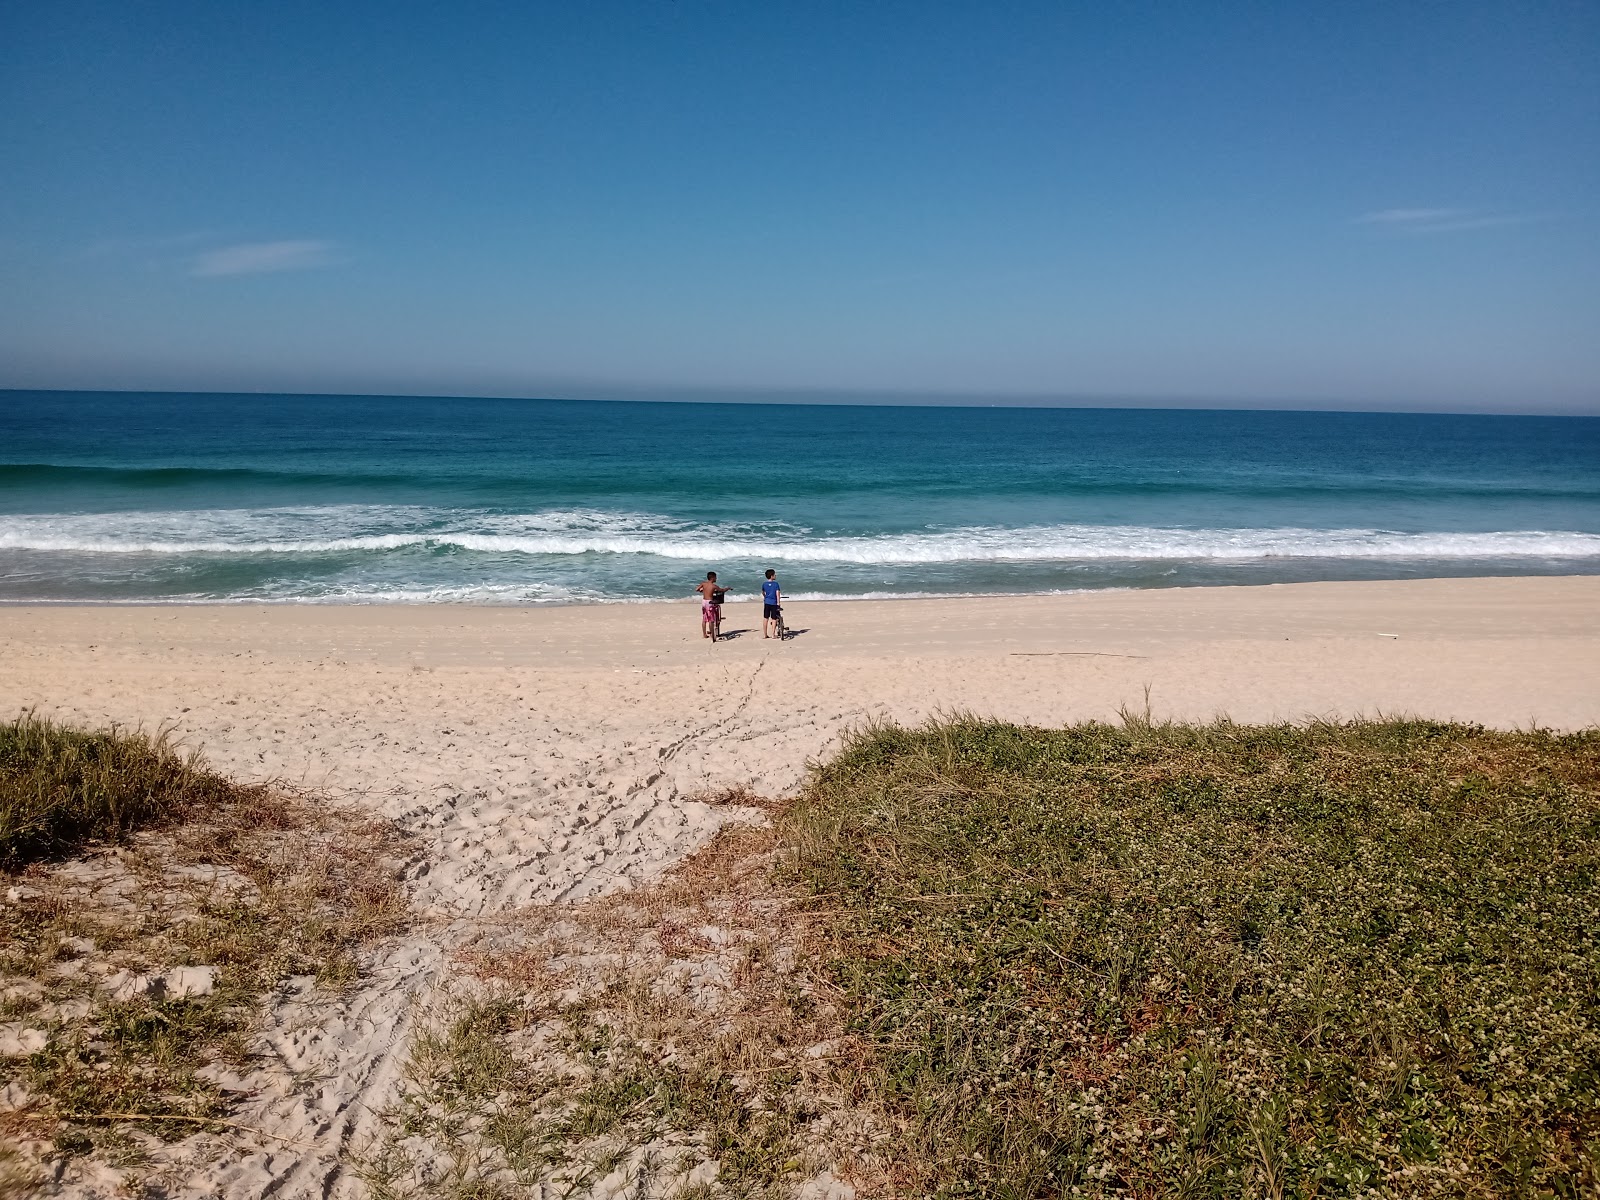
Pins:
x: 468, y: 593
x: 489, y: 595
x: 376, y: 530
x: 1059, y: 544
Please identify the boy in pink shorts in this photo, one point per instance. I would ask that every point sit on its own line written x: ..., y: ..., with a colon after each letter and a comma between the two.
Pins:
x: 710, y: 605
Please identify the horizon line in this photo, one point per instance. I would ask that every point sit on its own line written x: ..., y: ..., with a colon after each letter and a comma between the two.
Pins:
x: 871, y: 398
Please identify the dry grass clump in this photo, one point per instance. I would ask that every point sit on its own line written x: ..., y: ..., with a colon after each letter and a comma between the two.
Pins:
x: 1343, y: 960
x: 664, y: 1041
x: 62, y: 788
x: 740, y: 797
x: 131, y: 977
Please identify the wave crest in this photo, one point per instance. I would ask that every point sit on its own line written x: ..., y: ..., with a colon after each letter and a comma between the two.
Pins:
x: 578, y: 533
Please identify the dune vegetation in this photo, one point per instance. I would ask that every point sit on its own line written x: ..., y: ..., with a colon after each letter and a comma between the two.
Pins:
x: 149, y: 908
x: 969, y: 960
x: 62, y: 788
x: 1161, y: 960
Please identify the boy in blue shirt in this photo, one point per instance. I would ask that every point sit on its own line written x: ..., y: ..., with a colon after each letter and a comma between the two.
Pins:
x: 771, y: 595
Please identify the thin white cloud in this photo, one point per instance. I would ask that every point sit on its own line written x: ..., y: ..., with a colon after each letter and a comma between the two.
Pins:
x: 1410, y: 216
x: 256, y: 258
x: 1485, y: 221
x: 1441, y: 220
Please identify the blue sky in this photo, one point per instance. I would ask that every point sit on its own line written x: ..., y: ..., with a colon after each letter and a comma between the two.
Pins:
x: 1341, y: 205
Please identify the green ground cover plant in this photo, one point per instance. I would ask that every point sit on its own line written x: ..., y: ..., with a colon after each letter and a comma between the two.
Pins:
x: 1163, y: 960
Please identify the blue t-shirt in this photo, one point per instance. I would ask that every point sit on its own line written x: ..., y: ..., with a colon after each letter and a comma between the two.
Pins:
x: 769, y: 591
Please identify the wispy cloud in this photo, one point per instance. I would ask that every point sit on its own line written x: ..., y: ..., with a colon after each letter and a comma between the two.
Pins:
x: 1441, y: 220
x: 256, y: 258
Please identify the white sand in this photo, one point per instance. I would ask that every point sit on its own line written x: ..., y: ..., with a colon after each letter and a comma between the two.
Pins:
x: 546, y: 754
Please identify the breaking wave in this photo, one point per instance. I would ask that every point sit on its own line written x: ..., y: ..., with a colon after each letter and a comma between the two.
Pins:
x: 387, y: 531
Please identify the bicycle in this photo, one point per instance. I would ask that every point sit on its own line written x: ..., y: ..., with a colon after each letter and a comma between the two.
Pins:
x: 717, y: 598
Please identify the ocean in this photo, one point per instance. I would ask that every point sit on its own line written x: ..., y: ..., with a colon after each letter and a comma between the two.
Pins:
x: 130, y: 497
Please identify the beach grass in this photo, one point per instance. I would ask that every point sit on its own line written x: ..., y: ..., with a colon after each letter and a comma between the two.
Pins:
x: 148, y: 909
x: 1352, y: 959
x: 62, y: 788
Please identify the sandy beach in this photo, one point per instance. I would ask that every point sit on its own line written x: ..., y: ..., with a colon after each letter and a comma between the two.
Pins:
x: 545, y: 754
x: 554, y: 752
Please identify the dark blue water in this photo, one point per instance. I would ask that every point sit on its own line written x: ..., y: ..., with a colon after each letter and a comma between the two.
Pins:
x: 119, y: 496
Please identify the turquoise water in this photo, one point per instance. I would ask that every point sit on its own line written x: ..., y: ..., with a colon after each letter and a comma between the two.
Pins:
x: 187, y: 497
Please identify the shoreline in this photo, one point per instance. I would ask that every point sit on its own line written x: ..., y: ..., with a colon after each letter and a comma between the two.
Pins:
x: 751, y: 597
